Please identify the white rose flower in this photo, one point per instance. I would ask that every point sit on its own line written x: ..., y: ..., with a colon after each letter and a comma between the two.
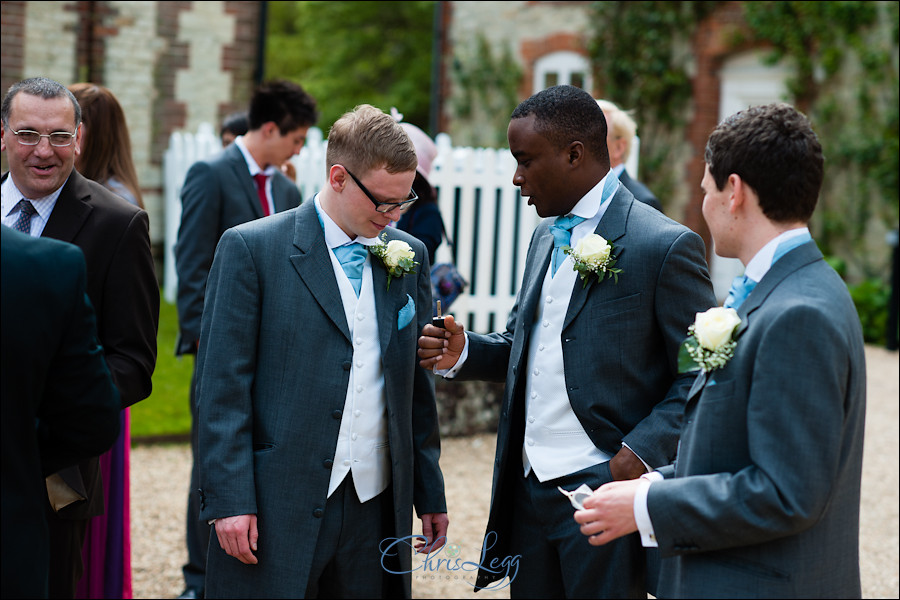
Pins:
x: 396, y: 251
x: 592, y: 249
x: 714, y: 327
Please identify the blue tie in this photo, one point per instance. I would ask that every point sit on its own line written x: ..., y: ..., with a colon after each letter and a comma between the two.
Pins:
x: 743, y: 285
x: 740, y: 289
x: 562, y: 233
x: 352, y: 258
x: 23, y: 222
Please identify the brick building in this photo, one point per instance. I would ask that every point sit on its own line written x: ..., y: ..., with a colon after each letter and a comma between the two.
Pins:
x: 172, y: 65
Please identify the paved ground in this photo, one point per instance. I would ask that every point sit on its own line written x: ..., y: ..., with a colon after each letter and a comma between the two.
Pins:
x: 160, y: 475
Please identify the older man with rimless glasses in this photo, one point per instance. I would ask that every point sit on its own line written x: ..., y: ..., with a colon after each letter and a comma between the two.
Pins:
x: 44, y: 196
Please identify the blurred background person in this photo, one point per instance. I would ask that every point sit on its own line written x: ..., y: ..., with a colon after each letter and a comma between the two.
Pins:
x: 621, y: 130
x: 106, y: 158
x: 422, y: 219
x: 233, y: 125
x: 106, y: 144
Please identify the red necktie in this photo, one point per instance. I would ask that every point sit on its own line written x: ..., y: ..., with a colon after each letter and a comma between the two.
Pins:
x: 261, y: 190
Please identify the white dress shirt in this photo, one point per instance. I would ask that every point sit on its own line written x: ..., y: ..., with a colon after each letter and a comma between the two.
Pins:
x: 255, y: 169
x: 10, y: 197
x: 362, y: 445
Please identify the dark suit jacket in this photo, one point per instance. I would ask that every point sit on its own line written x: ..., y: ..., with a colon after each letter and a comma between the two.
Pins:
x: 218, y: 193
x: 764, y: 497
x: 273, y: 370
x: 59, y: 401
x: 620, y: 348
x: 641, y: 192
x: 121, y: 283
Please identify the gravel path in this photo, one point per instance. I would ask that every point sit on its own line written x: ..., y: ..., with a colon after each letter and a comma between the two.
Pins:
x: 160, y: 476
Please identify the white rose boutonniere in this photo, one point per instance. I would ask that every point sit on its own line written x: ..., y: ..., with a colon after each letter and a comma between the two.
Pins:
x: 397, y: 257
x: 710, y: 343
x: 593, y: 256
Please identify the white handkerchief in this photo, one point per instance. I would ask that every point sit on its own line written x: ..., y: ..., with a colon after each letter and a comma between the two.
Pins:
x: 577, y: 496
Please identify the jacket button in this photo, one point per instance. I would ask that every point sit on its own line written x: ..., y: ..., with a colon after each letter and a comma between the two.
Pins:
x: 327, y: 463
x: 318, y: 513
x: 337, y: 414
x: 346, y: 365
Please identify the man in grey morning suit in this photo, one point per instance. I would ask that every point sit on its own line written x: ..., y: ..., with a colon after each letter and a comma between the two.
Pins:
x: 318, y: 432
x: 591, y: 388
x: 763, y: 499
x: 242, y: 183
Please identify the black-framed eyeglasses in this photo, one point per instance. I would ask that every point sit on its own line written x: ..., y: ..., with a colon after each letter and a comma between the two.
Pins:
x: 383, y: 207
x: 60, y: 139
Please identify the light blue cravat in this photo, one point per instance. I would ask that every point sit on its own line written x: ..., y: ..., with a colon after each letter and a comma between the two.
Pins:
x: 23, y: 222
x: 740, y: 289
x: 352, y: 258
x: 743, y: 285
x: 562, y: 233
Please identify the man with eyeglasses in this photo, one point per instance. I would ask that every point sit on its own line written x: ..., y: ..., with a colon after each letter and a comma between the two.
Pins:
x: 44, y: 196
x: 242, y: 183
x: 318, y: 432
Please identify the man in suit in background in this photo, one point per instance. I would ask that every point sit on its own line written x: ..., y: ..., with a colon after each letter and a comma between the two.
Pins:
x: 240, y: 184
x: 592, y: 390
x: 44, y: 195
x: 59, y: 401
x: 621, y: 130
x: 318, y: 432
x: 763, y: 500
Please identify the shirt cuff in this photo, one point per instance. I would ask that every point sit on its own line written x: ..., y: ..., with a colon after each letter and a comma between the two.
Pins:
x: 452, y: 371
x: 647, y: 467
x: 641, y: 513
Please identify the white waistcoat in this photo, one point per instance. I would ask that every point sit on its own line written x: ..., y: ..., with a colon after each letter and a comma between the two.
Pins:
x: 555, y: 442
x: 362, y: 444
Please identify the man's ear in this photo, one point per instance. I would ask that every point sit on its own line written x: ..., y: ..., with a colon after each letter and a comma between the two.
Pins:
x: 575, y: 152
x: 738, y: 196
x: 337, y: 178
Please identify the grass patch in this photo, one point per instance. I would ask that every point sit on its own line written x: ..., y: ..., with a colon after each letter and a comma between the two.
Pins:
x: 166, y: 411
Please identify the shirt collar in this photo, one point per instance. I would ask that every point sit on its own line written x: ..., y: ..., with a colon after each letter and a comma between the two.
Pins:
x: 760, y: 264
x: 10, y: 197
x: 593, y: 203
x: 248, y: 158
x: 334, y: 235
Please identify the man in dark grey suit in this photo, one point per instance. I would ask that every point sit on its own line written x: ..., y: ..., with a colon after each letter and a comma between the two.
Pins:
x: 621, y: 131
x: 318, y: 432
x: 592, y: 391
x: 763, y: 499
x: 41, y: 137
x: 60, y: 404
x: 241, y: 184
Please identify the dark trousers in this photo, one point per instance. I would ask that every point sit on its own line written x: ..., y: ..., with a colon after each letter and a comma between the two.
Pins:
x: 347, y: 560
x: 556, y: 559
x: 197, y: 533
x: 66, y: 565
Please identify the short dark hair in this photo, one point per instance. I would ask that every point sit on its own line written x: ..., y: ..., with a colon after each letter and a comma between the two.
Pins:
x: 43, y: 88
x: 565, y: 114
x: 775, y: 151
x: 283, y: 102
x: 235, y: 123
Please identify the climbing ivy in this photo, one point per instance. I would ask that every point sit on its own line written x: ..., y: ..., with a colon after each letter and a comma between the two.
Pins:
x: 844, y: 62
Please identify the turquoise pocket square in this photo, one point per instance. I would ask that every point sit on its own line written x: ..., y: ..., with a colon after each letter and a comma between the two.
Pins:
x: 406, y: 314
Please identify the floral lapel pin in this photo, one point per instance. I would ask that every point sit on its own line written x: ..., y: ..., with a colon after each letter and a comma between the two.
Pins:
x: 397, y: 257
x: 711, y: 341
x: 592, y: 255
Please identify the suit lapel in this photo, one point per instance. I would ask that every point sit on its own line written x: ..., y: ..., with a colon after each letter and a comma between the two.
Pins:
x: 533, y: 280
x: 313, y: 265
x: 387, y: 312
x: 236, y: 159
x: 612, y: 227
x: 71, y: 210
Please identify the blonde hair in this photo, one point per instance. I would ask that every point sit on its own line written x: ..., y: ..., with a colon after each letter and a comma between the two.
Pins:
x: 368, y: 139
x: 622, y: 125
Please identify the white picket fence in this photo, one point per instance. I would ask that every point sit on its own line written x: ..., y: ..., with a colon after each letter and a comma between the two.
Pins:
x: 485, y: 217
